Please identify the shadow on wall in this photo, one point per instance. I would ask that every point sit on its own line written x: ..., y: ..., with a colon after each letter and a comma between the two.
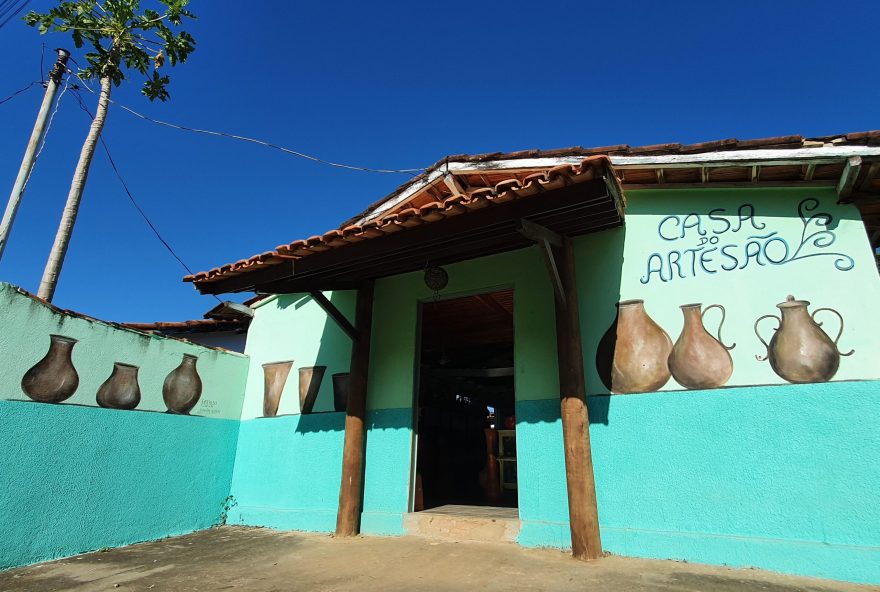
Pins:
x: 599, y: 259
x: 319, y: 378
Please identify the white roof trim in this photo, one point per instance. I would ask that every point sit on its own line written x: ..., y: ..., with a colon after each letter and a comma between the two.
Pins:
x: 763, y: 157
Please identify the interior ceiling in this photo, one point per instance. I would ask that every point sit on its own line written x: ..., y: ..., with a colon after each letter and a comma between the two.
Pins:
x: 481, y: 319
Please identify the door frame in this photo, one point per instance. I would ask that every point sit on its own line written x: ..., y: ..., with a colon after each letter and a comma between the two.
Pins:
x: 417, y: 361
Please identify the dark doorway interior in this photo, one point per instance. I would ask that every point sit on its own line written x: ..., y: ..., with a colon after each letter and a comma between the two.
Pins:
x: 466, y: 427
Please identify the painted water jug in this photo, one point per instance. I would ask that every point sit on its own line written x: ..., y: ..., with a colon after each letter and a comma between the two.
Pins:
x: 310, y: 378
x: 182, y: 388
x: 341, y: 383
x: 633, y: 354
x: 699, y: 360
x: 53, y: 379
x: 121, y: 390
x: 274, y: 379
x: 800, y: 351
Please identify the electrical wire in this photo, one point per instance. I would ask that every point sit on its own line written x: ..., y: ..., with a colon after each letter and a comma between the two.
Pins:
x: 134, y: 202
x: 49, y: 123
x: 46, y: 133
x: 253, y: 140
x: 18, y: 92
x: 14, y: 10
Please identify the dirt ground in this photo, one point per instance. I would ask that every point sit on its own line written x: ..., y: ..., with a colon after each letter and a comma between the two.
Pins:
x: 260, y: 560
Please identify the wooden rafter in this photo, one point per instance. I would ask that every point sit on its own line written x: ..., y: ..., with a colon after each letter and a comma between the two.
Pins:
x: 848, y: 177
x: 454, y: 184
x: 546, y: 239
x: 334, y: 313
x: 811, y: 169
x: 488, y: 300
x: 869, y: 176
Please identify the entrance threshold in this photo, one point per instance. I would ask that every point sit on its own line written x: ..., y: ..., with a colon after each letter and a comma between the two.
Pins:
x: 465, y: 523
x: 476, y: 511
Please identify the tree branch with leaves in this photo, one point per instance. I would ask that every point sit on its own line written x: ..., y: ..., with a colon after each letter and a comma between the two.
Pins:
x: 121, y: 37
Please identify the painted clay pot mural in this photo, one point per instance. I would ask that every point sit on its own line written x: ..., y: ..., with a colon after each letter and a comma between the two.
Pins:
x: 182, y: 388
x: 274, y: 379
x: 633, y: 354
x: 53, y: 379
x: 800, y: 351
x: 699, y: 360
x: 310, y: 379
x: 121, y: 390
x: 340, y: 391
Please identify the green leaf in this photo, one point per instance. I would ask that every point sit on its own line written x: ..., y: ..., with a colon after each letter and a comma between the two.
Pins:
x: 124, y: 36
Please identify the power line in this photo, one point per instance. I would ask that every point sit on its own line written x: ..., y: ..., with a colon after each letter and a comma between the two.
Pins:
x: 130, y: 196
x: 49, y: 123
x: 14, y: 10
x: 18, y: 92
x: 254, y: 141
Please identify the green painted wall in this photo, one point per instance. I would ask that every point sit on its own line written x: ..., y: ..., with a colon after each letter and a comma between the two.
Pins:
x: 100, y: 345
x: 613, y: 264
x: 274, y: 453
x: 76, y: 477
x: 776, y: 476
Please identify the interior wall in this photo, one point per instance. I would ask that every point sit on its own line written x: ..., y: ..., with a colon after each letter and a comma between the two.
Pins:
x: 77, y: 477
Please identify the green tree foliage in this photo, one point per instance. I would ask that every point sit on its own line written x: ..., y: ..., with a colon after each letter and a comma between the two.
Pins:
x: 121, y: 36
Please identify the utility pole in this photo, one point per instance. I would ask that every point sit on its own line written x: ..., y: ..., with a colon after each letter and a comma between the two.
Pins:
x: 27, y: 163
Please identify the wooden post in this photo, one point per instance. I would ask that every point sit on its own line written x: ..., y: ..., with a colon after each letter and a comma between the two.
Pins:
x: 583, y: 514
x: 351, y: 489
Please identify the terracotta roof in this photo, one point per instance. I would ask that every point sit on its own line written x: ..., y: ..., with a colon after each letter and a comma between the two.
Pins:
x: 195, y: 326
x: 532, y: 185
x: 123, y: 326
x: 866, y: 138
x: 437, y: 202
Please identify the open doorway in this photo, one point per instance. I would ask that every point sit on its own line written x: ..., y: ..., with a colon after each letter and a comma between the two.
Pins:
x: 466, y: 446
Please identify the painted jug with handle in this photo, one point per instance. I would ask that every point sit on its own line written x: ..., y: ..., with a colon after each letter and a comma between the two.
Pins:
x: 800, y: 351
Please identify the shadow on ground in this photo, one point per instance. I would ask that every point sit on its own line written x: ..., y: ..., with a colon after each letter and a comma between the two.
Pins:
x: 260, y: 560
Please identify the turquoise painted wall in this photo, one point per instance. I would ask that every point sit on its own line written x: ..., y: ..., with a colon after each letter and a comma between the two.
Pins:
x: 274, y: 453
x: 782, y: 477
x: 777, y: 476
x: 76, y: 477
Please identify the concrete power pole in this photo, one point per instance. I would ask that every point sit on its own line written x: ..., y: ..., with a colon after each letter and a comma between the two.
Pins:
x: 27, y: 163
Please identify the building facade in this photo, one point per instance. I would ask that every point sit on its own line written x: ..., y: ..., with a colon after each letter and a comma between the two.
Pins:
x: 711, y: 308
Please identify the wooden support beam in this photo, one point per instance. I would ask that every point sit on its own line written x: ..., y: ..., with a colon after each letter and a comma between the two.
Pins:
x: 808, y: 175
x: 488, y: 300
x: 335, y: 314
x: 865, y: 183
x: 453, y: 184
x: 538, y: 233
x: 351, y: 489
x: 583, y: 515
x: 546, y: 240
x: 704, y: 174
x: 848, y: 177
x: 613, y: 186
x: 756, y: 173
x: 661, y: 176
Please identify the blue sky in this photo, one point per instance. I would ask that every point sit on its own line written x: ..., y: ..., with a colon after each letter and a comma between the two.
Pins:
x: 398, y: 86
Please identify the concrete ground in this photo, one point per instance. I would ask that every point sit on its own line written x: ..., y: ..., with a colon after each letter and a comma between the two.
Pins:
x: 260, y: 560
